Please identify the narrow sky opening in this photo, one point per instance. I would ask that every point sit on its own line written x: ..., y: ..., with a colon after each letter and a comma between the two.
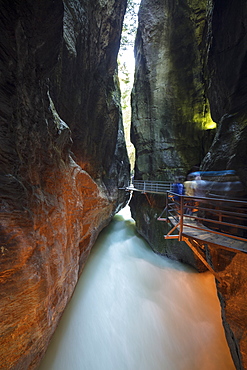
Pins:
x: 126, y: 69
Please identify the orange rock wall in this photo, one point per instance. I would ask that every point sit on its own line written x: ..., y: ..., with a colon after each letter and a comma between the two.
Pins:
x: 42, y: 253
x: 51, y: 209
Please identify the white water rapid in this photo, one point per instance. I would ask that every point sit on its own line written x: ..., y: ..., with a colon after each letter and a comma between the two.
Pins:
x: 135, y: 310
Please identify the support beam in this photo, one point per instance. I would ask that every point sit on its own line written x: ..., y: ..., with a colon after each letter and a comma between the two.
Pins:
x: 198, y: 254
x: 169, y: 236
x: 149, y: 201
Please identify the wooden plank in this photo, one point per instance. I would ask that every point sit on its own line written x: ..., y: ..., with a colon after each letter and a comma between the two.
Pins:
x: 171, y: 236
x: 214, y: 239
x: 200, y: 232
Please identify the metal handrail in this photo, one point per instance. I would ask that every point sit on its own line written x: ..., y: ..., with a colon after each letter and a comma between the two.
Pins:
x: 177, y: 210
x: 152, y: 186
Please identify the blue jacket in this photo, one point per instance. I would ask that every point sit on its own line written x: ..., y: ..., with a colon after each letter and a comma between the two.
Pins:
x: 178, y: 188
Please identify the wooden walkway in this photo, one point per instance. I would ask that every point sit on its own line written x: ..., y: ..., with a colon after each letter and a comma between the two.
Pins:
x: 221, y: 223
x: 201, y: 233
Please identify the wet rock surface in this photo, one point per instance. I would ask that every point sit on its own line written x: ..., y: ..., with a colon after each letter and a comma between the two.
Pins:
x: 62, y: 156
x: 230, y: 267
x: 169, y: 105
x: 171, y: 114
x: 226, y: 85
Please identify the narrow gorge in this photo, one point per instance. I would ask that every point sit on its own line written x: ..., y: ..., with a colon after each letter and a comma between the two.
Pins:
x: 63, y: 155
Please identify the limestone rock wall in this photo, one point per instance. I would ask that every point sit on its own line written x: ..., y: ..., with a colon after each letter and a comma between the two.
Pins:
x: 84, y: 87
x: 169, y: 104
x: 170, y: 110
x: 62, y: 159
x: 231, y: 269
x: 227, y: 86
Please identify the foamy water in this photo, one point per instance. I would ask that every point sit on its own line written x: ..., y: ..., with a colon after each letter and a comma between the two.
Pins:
x: 135, y: 310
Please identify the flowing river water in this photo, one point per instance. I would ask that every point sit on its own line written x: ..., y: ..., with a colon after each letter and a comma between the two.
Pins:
x: 135, y: 310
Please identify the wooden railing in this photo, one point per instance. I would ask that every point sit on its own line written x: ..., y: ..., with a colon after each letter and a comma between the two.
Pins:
x: 218, y: 216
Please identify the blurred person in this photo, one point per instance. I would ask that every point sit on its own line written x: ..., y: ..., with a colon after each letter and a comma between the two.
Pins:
x: 199, y: 187
x: 190, y: 188
x: 178, y: 188
x: 200, y: 191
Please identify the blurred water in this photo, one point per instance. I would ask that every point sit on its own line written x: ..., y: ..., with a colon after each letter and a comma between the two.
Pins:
x: 134, y: 310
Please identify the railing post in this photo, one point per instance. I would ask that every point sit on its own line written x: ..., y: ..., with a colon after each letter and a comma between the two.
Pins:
x: 181, y: 222
x: 167, y: 198
x: 220, y: 216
